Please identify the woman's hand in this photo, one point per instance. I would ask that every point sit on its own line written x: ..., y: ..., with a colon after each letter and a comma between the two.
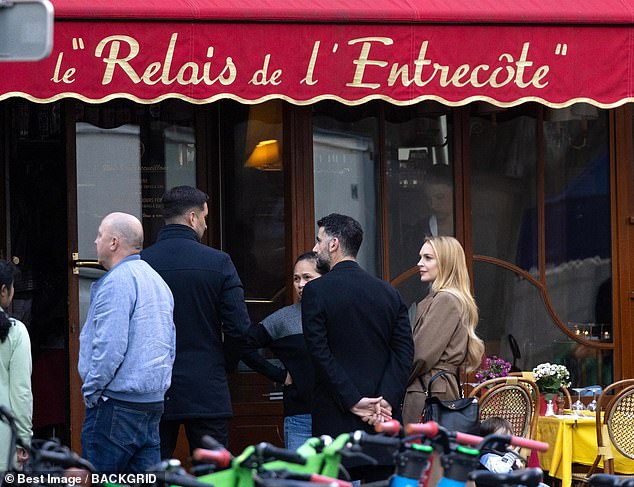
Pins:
x: 22, y: 455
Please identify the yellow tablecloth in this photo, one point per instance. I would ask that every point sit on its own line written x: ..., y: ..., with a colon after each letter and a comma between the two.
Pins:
x: 572, y: 440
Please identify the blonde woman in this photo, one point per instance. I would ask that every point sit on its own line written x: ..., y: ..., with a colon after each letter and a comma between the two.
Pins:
x: 444, y: 331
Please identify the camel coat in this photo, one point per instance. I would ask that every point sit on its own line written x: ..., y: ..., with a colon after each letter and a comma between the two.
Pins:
x: 440, y: 343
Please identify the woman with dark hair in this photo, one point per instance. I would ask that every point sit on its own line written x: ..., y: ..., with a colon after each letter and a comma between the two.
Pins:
x: 281, y: 332
x: 15, y: 369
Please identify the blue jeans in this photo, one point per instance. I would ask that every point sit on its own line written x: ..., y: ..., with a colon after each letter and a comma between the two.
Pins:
x: 297, y: 429
x: 122, y: 437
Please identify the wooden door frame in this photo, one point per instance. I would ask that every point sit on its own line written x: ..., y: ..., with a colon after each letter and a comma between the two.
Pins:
x: 622, y: 201
x: 299, y: 198
x: 76, y: 400
x: 5, y: 114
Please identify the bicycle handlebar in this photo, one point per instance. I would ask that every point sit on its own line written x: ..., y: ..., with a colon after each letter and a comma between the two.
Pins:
x: 172, y: 478
x: 431, y: 429
x: 268, y: 450
x: 64, y: 459
x: 322, y: 479
x: 362, y: 437
x: 391, y: 427
x: 211, y: 443
x: 529, y: 477
x: 277, y: 482
x: 221, y: 458
x: 314, y: 478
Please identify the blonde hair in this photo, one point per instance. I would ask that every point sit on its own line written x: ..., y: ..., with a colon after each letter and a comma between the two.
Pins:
x: 453, y: 278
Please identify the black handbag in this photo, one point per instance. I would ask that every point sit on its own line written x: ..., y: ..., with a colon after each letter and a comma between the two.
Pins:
x: 461, y: 414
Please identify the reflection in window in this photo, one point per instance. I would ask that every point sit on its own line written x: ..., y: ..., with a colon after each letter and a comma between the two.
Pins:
x: 503, y: 188
x: 518, y: 310
x: 108, y: 178
x: 577, y: 218
x: 253, y: 218
x: 420, y: 188
x: 345, y: 161
x: 576, y: 209
x: 127, y: 156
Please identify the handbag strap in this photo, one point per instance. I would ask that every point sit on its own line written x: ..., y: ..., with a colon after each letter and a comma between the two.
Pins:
x: 438, y: 374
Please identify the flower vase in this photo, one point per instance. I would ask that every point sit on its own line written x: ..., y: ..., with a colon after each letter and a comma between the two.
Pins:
x: 543, y: 402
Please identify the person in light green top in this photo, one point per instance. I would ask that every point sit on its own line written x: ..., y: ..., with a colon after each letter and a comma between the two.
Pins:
x: 15, y: 371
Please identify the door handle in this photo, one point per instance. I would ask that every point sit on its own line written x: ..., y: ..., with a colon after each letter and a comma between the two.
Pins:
x: 89, y: 264
x: 274, y: 396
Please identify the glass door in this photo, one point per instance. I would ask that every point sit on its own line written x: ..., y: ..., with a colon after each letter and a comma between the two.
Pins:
x: 126, y: 156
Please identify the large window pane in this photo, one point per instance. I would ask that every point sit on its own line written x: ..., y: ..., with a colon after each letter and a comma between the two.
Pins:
x: 577, y: 216
x: 253, y: 203
x: 503, y: 154
x: 127, y: 156
x: 345, y: 161
x: 512, y: 305
x: 420, y: 188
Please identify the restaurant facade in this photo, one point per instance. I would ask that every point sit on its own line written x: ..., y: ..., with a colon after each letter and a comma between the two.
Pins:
x: 508, y: 126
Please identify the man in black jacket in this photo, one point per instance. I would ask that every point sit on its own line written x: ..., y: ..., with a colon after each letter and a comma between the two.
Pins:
x: 357, y: 331
x: 208, y: 301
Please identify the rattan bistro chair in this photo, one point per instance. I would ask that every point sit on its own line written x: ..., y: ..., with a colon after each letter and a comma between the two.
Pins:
x: 614, y: 428
x: 515, y: 399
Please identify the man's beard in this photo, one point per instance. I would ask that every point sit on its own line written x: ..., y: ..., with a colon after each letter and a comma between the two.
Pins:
x: 323, y: 261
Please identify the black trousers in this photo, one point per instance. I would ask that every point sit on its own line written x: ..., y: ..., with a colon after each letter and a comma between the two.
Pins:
x: 195, y: 429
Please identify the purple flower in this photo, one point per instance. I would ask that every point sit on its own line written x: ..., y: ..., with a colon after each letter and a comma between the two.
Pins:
x: 491, y: 368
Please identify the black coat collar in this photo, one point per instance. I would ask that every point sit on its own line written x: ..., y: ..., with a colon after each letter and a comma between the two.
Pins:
x: 176, y: 230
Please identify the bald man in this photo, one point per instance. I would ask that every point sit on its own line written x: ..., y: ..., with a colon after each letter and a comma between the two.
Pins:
x: 126, y: 352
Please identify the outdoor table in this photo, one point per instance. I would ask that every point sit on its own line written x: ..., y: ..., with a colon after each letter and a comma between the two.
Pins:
x: 572, y: 439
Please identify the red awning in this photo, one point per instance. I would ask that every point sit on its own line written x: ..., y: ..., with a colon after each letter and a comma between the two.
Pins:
x: 356, y: 11
x: 501, y: 51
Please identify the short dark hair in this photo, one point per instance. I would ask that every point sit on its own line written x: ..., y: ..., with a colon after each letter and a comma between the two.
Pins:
x: 346, y: 229
x: 321, y: 267
x: 8, y: 275
x: 493, y: 424
x: 180, y: 199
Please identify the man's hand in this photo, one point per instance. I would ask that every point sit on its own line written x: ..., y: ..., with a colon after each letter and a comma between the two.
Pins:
x: 386, y: 410
x: 289, y: 379
x: 372, y: 410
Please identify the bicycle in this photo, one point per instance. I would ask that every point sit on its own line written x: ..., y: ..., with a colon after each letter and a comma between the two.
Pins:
x: 45, y: 456
x: 317, y: 461
x: 461, y: 463
x: 411, y: 458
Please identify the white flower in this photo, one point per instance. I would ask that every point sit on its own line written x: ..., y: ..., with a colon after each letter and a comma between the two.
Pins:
x: 551, y: 376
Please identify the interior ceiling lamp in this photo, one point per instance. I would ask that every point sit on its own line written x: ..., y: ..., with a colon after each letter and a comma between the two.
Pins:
x: 265, y: 156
